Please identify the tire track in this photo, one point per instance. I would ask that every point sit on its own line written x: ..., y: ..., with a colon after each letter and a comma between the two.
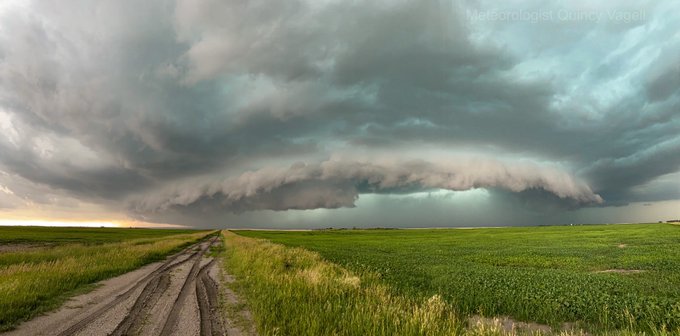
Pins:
x: 173, y: 317
x: 144, y: 302
x: 206, y: 294
x: 149, y: 296
x: 152, y: 281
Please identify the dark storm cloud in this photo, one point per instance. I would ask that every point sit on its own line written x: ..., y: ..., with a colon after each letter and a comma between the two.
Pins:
x: 338, y: 183
x: 167, y: 105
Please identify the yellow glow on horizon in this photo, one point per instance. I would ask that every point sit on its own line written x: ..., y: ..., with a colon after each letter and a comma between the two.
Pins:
x: 112, y: 223
x: 37, y: 222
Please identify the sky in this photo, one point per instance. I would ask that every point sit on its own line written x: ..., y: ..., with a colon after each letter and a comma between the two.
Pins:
x: 325, y: 113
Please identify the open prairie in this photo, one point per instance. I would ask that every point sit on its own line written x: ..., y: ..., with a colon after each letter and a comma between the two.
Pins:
x: 90, y: 236
x: 599, y: 279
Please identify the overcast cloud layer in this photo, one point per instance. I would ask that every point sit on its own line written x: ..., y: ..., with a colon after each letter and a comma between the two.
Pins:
x: 179, y: 111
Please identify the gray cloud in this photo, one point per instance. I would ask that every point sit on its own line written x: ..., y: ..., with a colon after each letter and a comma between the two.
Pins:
x: 141, y: 105
x: 335, y: 184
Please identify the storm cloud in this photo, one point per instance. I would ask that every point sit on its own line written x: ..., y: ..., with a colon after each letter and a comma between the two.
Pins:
x: 335, y: 184
x: 173, y: 110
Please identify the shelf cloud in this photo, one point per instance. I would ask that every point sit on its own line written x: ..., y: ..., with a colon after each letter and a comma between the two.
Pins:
x: 336, y: 184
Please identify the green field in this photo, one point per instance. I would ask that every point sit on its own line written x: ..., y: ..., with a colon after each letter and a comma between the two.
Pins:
x: 62, y: 235
x: 41, y: 267
x: 604, y: 277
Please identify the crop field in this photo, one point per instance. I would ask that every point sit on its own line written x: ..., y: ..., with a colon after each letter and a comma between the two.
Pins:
x: 41, y: 267
x: 62, y: 235
x: 604, y: 279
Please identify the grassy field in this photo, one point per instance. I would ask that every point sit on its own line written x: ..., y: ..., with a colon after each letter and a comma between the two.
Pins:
x: 41, y: 267
x: 292, y: 291
x: 62, y: 235
x: 605, y: 277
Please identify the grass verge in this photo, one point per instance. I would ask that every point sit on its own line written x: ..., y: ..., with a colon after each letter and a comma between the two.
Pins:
x: 41, y: 279
x: 292, y: 291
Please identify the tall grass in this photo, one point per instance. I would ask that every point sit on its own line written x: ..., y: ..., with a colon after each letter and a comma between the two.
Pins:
x: 40, y: 279
x: 292, y: 291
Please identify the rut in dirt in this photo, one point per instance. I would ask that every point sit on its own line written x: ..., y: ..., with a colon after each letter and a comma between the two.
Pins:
x: 155, y: 287
x: 207, y: 294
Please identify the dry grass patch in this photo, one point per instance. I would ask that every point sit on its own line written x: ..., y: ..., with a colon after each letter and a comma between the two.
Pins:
x: 621, y: 271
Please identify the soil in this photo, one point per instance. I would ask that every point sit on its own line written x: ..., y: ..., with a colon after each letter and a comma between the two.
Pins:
x: 621, y: 271
x: 17, y: 247
x: 179, y: 296
x: 506, y: 325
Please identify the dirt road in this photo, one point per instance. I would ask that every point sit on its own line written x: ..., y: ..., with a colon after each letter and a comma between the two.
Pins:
x: 176, y: 297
